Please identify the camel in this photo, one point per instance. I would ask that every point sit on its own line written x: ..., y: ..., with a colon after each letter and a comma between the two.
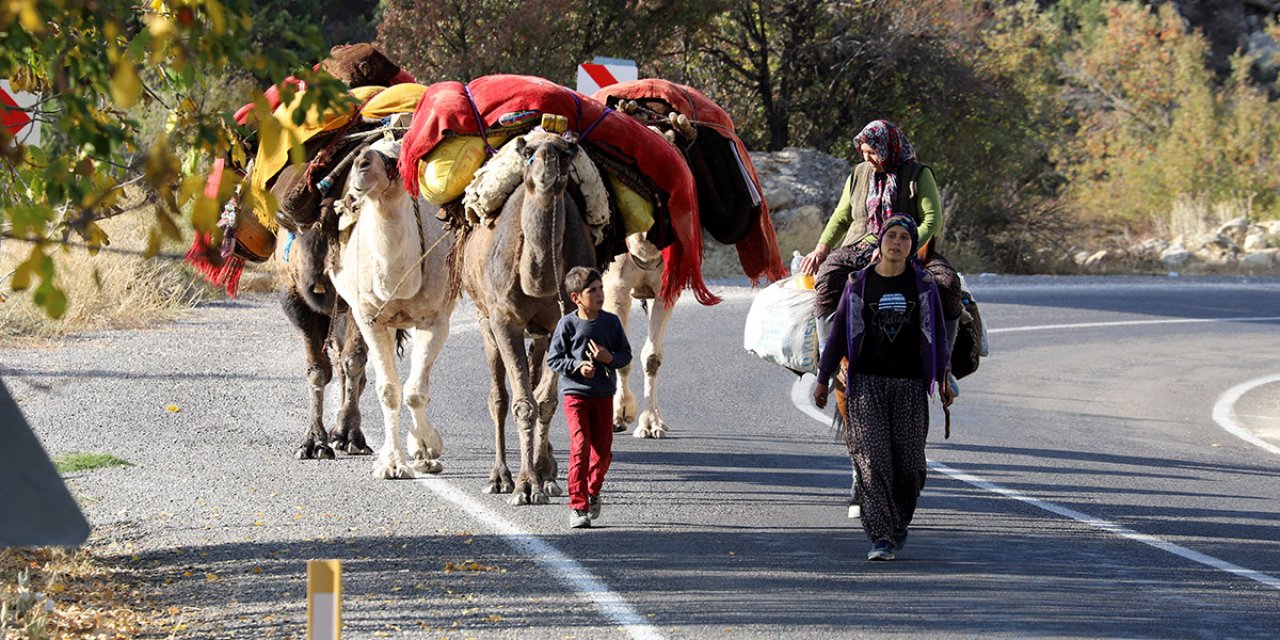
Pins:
x: 333, y: 344
x: 513, y: 268
x: 394, y: 271
x: 638, y: 274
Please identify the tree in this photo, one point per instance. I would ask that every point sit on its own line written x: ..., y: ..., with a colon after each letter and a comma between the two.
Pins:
x: 101, y: 67
x: 465, y: 39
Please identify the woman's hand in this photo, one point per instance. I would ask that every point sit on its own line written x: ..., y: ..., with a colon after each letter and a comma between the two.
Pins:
x: 814, y: 260
x: 948, y: 395
x: 820, y: 393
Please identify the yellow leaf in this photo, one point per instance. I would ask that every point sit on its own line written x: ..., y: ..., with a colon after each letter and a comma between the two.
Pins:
x: 126, y: 87
x: 191, y: 185
x: 216, y: 16
x: 257, y: 569
x: 211, y: 577
x: 28, y: 15
x: 204, y: 215
x: 173, y: 408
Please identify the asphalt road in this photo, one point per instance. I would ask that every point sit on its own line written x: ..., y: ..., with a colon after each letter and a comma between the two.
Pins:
x: 1087, y: 490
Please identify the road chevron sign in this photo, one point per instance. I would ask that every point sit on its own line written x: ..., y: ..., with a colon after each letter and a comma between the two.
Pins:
x: 602, y: 72
x: 14, y: 116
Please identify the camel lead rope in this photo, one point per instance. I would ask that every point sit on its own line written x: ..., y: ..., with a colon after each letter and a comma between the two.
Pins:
x: 946, y: 412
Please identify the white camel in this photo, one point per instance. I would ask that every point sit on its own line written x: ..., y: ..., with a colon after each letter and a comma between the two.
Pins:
x: 638, y: 273
x: 394, y: 272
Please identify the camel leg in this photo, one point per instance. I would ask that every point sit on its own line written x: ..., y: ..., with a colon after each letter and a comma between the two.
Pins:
x: 314, y: 328
x: 651, y: 423
x: 510, y: 343
x: 353, y: 355
x: 499, y: 403
x: 426, y: 446
x: 545, y: 385
x: 382, y: 351
x: 617, y: 300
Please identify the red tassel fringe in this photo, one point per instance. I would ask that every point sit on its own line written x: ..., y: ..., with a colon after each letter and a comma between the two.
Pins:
x: 209, y: 263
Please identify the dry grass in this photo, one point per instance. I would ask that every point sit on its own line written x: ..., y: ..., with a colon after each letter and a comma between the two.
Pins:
x: 49, y: 593
x: 112, y: 290
x: 1195, y: 216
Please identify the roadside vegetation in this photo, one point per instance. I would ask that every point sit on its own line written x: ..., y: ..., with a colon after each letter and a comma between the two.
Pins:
x: 87, y: 461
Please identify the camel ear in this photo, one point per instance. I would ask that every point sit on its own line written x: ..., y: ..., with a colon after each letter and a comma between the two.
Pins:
x: 522, y: 148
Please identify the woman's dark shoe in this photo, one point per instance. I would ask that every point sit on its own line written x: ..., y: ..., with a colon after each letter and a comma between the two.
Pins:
x: 881, y: 550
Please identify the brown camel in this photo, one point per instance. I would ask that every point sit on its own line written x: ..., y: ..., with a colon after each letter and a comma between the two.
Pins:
x: 513, y: 268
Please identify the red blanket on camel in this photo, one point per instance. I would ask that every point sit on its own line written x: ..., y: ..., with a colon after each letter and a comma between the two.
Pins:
x: 474, y: 108
x: 758, y: 252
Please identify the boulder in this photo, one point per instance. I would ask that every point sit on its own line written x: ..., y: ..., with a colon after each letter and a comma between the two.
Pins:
x: 1254, y: 262
x: 1255, y: 241
x: 1235, y: 230
x: 1175, y: 257
x: 795, y: 178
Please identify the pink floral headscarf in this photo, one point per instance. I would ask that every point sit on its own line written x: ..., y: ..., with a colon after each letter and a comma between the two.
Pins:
x: 893, y: 148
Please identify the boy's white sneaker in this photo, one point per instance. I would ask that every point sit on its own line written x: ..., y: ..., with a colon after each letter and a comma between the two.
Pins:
x: 579, y: 519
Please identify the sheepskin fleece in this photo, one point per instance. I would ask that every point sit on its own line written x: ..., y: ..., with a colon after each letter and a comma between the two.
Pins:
x: 499, y: 177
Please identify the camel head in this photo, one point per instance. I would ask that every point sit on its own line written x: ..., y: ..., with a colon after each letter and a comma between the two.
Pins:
x: 547, y: 159
x: 374, y: 171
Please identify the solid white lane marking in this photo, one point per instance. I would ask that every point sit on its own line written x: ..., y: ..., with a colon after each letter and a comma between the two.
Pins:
x: 1224, y: 412
x: 1127, y: 323
x: 1110, y: 527
x: 802, y: 400
x: 612, y: 605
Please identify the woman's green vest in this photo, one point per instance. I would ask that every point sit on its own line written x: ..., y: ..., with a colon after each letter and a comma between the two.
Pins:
x: 908, y: 199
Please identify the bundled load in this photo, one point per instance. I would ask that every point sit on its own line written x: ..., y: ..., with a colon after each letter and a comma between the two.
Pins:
x: 249, y: 221
x: 730, y: 199
x: 456, y: 125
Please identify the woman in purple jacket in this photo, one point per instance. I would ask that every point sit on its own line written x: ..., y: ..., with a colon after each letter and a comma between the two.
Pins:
x: 889, y: 325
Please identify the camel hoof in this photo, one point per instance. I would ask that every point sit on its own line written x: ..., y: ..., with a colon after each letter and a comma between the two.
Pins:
x: 518, y: 500
x: 393, y: 472
x: 357, y: 450
x: 619, y: 427
x: 324, y: 452
x: 303, y: 453
x: 427, y: 466
x: 553, y: 489
x: 540, y: 498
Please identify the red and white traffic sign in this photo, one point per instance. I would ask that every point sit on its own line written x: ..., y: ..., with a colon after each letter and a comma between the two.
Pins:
x: 602, y: 72
x: 14, y: 115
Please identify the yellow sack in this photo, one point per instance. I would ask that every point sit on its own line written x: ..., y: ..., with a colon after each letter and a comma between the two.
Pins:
x: 445, y: 172
x: 398, y: 98
x: 637, y: 212
x: 277, y: 138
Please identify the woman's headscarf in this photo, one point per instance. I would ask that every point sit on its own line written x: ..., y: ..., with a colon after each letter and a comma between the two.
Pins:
x: 894, y: 150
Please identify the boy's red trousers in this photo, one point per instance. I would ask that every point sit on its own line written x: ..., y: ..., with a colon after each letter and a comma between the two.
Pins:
x: 590, y: 446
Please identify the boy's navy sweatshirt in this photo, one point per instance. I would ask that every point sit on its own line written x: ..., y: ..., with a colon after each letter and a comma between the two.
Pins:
x: 568, y: 350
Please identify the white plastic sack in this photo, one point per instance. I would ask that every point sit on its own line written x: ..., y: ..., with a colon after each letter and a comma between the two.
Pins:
x: 781, y: 326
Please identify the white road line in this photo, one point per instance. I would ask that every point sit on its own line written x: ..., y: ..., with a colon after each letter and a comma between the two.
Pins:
x: 1224, y: 412
x: 1127, y: 323
x: 802, y: 401
x: 562, y: 566
x: 1110, y: 527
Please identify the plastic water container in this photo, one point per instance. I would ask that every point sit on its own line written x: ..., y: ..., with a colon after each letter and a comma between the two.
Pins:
x: 805, y: 281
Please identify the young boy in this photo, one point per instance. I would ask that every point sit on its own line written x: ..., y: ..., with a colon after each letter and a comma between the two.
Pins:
x: 589, y: 345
